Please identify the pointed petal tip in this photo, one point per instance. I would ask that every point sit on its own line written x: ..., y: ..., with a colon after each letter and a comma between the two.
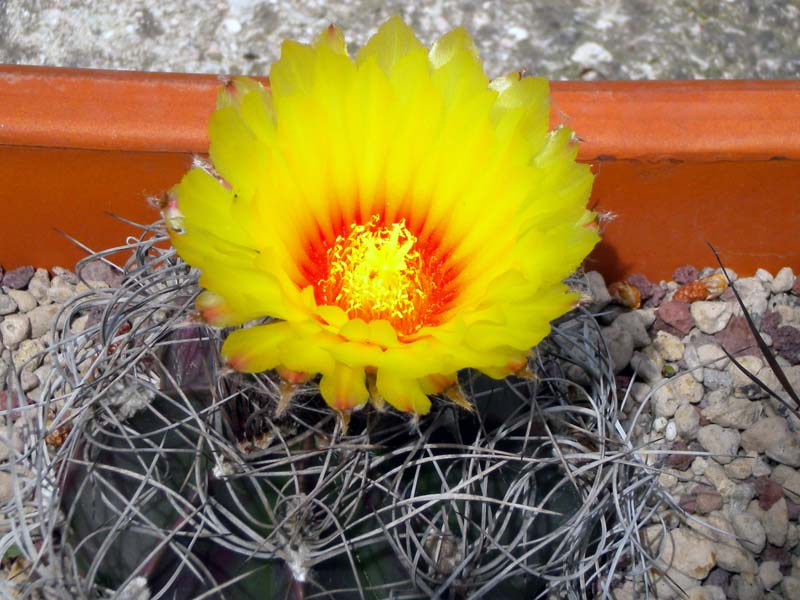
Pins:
x: 332, y: 37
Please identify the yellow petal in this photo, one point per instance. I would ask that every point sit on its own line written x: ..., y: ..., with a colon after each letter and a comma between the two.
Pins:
x: 405, y: 395
x: 333, y: 38
x: 393, y: 40
x: 344, y: 388
x: 256, y: 349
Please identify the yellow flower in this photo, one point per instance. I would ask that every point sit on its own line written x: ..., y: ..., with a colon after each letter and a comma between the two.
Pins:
x: 398, y: 217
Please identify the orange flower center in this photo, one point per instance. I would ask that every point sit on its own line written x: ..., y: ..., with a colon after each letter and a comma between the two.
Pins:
x: 378, y: 272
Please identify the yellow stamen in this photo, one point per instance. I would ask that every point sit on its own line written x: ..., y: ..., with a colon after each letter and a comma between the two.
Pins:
x: 376, y: 273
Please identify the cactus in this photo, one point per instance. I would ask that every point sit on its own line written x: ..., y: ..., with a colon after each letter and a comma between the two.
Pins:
x: 173, y: 476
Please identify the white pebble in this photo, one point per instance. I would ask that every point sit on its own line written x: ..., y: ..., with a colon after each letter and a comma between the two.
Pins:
x: 591, y: 54
x: 14, y: 329
x: 783, y: 282
x: 710, y: 317
x: 713, y: 356
x: 763, y: 275
x: 659, y: 424
x: 671, y: 431
x: 232, y: 25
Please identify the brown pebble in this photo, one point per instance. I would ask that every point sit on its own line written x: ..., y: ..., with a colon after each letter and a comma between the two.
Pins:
x: 681, y: 462
x: 708, y: 499
x: 677, y: 315
x: 768, y: 491
x: 779, y: 555
x: 688, y: 503
x: 736, y: 337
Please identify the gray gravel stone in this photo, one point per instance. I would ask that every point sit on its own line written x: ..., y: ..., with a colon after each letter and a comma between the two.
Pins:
x: 684, y: 551
x: 620, y: 346
x: 740, y: 468
x: 773, y: 437
x: 790, y: 586
x: 720, y: 442
x: 7, y: 305
x: 692, y: 360
x: 719, y: 479
x: 65, y: 274
x: 632, y: 323
x: 789, y: 479
x: 706, y: 592
x: 5, y: 368
x: 776, y: 523
x: 712, y: 356
x: 682, y: 389
x: 729, y: 553
x: 60, y: 290
x: 741, y: 382
x: 740, y: 497
x: 730, y: 411
x: 687, y: 421
x: 714, y: 379
x: 671, y: 431
x: 750, y: 531
x: 15, y: 329
x: 790, y: 314
x: 28, y: 380
x: 79, y: 324
x: 665, y: 402
x: 39, y: 285
x: 732, y: 557
x: 747, y: 587
x: 687, y: 388
x: 770, y: 574
x: 25, y: 301
x: 29, y: 355
x: 648, y: 364
x: 42, y: 318
x: 767, y: 376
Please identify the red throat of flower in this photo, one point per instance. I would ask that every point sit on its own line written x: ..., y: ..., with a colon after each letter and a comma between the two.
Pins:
x: 381, y: 271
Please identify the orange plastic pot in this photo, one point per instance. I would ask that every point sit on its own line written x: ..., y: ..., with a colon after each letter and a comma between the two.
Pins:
x: 678, y: 164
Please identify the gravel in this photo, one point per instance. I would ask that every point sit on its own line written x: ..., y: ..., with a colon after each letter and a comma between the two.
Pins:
x: 729, y: 453
x: 733, y: 467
